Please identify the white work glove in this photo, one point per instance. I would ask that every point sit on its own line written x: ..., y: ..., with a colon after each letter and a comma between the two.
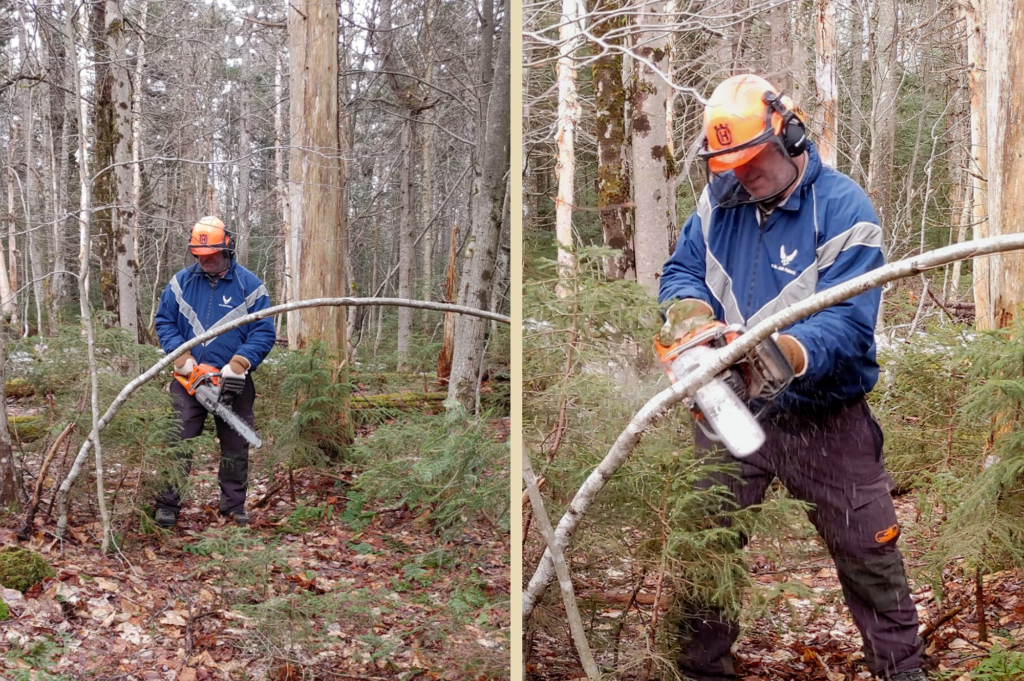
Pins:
x: 232, y: 376
x: 184, y: 365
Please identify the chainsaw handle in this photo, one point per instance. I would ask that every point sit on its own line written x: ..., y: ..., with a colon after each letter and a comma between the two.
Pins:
x: 201, y: 373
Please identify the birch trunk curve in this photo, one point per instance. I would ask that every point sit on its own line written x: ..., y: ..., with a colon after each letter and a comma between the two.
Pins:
x: 725, y: 357
x: 168, y: 359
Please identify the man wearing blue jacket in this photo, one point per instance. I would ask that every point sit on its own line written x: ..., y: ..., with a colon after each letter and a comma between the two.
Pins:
x: 212, y: 292
x: 773, y: 227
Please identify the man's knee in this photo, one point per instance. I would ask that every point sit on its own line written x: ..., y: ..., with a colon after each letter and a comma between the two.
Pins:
x: 878, y: 581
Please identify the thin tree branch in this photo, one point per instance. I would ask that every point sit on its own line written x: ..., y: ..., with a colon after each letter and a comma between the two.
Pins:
x: 572, y: 611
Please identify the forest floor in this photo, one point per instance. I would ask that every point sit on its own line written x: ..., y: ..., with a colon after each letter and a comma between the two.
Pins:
x: 317, y: 587
x: 807, y: 639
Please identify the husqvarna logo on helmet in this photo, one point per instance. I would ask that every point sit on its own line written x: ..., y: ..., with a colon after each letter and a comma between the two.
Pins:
x: 202, y: 239
x: 723, y: 134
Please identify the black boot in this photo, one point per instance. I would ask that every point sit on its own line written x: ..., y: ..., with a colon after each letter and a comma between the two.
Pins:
x: 912, y: 675
x: 166, y: 518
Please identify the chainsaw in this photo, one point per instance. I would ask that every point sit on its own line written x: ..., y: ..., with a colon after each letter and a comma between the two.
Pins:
x: 216, y: 393
x: 721, y: 407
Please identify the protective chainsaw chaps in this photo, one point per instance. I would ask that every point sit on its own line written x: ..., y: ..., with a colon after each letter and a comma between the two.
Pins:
x: 215, y: 394
x: 721, y: 407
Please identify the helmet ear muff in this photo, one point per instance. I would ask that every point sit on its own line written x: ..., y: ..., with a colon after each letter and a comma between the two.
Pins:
x: 793, y: 132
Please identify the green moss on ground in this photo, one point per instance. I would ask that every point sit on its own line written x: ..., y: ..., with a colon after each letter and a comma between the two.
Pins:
x: 22, y: 569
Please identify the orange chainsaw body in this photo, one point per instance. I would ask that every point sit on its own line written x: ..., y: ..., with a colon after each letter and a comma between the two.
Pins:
x: 201, y: 373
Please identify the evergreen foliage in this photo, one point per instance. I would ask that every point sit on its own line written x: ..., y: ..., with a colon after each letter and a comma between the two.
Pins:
x: 450, y: 465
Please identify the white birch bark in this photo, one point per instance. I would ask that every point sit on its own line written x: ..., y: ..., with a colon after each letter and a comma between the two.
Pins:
x: 652, y: 167
x: 826, y: 56
x: 565, y: 130
x: 1005, y: 90
x: 124, y: 214
x: 976, y: 58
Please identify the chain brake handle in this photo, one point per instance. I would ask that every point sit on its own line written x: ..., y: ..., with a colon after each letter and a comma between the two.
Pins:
x: 713, y: 334
x: 765, y: 369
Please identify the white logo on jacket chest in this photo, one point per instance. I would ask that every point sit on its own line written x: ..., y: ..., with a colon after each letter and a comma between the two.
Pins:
x: 227, y: 302
x: 786, y: 259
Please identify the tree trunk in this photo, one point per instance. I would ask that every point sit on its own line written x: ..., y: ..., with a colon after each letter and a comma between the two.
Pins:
x: 565, y: 130
x: 124, y: 215
x: 612, y: 170
x: 29, y: 192
x: 444, y: 359
x: 315, y: 168
x: 857, y: 90
x: 883, y: 116
x: 976, y: 59
x: 406, y: 255
x: 242, y: 227
x: 826, y: 55
x: 12, y: 228
x: 427, y: 191
x: 653, y: 165
x: 8, y: 484
x: 56, y: 287
x: 104, y: 186
x: 1005, y: 90
x: 479, y: 256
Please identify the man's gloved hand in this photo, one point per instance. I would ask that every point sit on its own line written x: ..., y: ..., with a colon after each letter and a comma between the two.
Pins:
x: 682, y: 317
x: 795, y: 353
x: 232, y: 377
x: 184, y: 365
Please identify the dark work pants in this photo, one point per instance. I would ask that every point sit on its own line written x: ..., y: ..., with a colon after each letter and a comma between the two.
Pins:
x: 234, y: 450
x: 834, y: 461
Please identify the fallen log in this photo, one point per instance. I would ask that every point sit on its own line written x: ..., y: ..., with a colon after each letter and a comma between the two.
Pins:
x: 404, y: 401
x: 18, y: 388
x: 26, y: 428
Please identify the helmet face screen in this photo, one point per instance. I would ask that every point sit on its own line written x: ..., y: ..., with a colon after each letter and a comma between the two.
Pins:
x: 762, y: 178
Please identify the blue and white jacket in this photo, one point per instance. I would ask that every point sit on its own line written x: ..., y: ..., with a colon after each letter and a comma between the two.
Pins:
x: 191, y: 305
x: 825, y: 233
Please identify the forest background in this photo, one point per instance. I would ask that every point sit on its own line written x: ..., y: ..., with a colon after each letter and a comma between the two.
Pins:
x: 354, y: 149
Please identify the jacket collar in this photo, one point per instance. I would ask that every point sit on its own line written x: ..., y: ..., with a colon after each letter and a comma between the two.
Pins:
x: 197, y: 271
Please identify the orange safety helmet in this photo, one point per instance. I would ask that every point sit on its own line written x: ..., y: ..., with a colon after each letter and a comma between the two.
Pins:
x: 208, y: 236
x: 744, y: 114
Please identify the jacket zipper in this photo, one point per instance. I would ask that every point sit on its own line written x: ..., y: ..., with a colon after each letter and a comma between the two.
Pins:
x: 757, y: 259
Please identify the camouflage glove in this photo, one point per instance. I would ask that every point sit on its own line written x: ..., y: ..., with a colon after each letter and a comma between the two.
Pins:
x: 682, y: 317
